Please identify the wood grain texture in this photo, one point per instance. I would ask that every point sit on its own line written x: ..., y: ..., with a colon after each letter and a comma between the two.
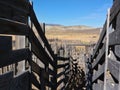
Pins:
x: 114, y: 38
x: 113, y: 66
x: 98, y: 73
x: 34, y: 80
x: 114, y: 10
x: 40, y: 31
x: 14, y: 57
x: 99, y: 57
x: 7, y: 26
x: 21, y: 82
x: 5, y: 80
x: 99, y: 43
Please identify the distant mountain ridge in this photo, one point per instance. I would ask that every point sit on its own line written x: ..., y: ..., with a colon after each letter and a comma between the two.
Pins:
x: 78, y: 33
x: 62, y: 27
x: 53, y: 25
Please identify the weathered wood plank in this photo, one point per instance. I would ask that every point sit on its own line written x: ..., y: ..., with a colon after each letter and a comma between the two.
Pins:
x: 20, y: 9
x: 116, y: 52
x: 62, y: 88
x: 99, y: 57
x: 67, y: 67
x: 113, y: 66
x: 50, y: 84
x: 5, y: 80
x: 40, y: 32
x: 7, y: 12
x: 42, y: 80
x: 98, y: 86
x: 98, y: 45
x: 67, y: 72
x: 62, y: 58
x: 51, y: 72
x: 112, y: 86
x: 5, y: 44
x: 14, y: 10
x: 118, y: 22
x: 98, y: 73
x: 60, y: 81
x: 14, y: 57
x: 62, y: 65
x: 114, y: 10
x: 35, y: 82
x: 7, y: 26
x: 109, y: 86
x: 35, y: 68
x: 114, y: 38
x: 38, y: 50
x: 23, y: 4
x: 21, y: 82
x: 60, y: 74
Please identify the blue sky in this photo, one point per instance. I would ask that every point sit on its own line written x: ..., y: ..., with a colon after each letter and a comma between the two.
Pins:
x: 72, y: 12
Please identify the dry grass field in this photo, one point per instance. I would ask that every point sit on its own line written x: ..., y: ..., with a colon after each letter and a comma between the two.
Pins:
x: 74, y: 33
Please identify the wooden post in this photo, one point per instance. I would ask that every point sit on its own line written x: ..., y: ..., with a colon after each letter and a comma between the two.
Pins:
x: 43, y: 27
x: 107, y: 48
x: 55, y: 70
x: 47, y: 65
x: 30, y: 58
x: 20, y: 43
x: 42, y: 81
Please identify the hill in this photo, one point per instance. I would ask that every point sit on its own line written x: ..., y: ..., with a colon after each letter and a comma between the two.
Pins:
x: 80, y: 33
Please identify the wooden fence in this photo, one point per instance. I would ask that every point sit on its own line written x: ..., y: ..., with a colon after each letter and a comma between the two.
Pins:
x: 17, y: 17
x: 63, y: 73
x: 96, y: 63
x: 76, y: 79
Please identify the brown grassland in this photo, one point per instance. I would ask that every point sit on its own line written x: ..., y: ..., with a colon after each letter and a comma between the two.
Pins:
x: 66, y: 33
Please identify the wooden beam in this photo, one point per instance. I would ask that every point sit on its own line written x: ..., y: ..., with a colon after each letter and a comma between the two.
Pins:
x: 62, y: 88
x: 38, y: 50
x: 35, y: 68
x: 62, y: 58
x: 98, y: 73
x: 5, y: 80
x: 99, y: 57
x: 99, y: 43
x: 62, y: 65
x: 113, y: 66
x: 14, y: 57
x: 21, y: 82
x: 51, y: 72
x: 49, y: 84
x: 114, y: 10
x: 67, y: 73
x: 60, y: 81
x: 7, y: 26
x: 60, y: 74
x: 10, y: 10
x: 98, y: 86
x: 114, y: 38
x: 35, y: 82
x: 23, y: 4
x: 14, y: 6
x: 40, y: 32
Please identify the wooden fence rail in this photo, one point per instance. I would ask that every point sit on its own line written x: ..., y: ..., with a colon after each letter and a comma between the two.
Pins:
x: 41, y: 72
x: 96, y: 62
